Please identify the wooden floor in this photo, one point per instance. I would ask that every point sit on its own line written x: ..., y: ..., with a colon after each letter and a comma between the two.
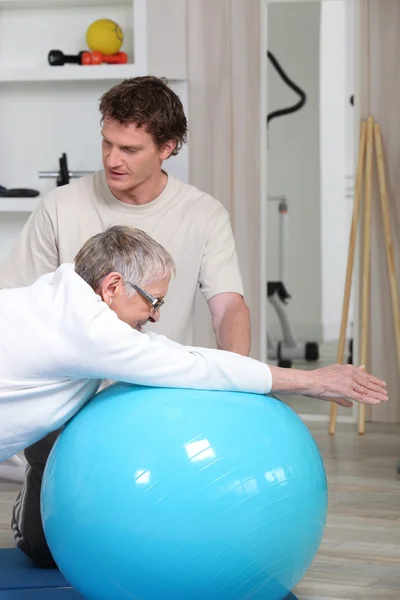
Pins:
x: 359, y: 558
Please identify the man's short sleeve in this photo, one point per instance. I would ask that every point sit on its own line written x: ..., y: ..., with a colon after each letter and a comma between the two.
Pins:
x: 219, y: 271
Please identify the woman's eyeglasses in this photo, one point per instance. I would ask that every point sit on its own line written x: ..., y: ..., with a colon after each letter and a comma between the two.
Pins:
x: 155, y: 302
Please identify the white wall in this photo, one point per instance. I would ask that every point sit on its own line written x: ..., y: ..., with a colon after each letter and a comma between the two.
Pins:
x: 293, y: 161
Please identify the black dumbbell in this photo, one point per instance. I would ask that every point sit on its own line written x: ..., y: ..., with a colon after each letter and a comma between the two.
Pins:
x: 57, y: 58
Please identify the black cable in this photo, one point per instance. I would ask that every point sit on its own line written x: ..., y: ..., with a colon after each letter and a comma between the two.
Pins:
x: 290, y: 109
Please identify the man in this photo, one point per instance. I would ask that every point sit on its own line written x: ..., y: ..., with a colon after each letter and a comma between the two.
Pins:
x: 62, y: 335
x: 143, y: 124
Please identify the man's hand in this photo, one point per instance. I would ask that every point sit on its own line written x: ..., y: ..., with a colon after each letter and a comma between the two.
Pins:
x: 338, y: 383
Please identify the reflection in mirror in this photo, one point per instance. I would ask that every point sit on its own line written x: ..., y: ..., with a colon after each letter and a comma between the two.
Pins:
x: 310, y: 153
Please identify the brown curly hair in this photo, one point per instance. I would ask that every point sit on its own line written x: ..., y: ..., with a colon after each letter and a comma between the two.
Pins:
x: 150, y: 103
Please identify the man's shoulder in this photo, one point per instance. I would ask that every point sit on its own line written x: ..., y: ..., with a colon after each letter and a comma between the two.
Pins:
x: 79, y: 190
x: 195, y: 199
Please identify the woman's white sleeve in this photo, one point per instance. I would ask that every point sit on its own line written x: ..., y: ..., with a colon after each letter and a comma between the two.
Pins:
x: 111, y: 349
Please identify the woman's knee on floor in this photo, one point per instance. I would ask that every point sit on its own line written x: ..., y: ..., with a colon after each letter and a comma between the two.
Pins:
x: 39, y: 553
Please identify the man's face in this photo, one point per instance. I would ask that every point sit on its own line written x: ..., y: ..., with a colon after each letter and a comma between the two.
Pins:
x: 130, y: 155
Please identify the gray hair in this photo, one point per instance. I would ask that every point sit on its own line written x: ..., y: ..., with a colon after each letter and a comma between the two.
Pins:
x: 130, y: 252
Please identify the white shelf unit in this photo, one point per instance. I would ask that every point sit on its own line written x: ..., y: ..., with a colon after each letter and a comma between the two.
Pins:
x: 18, y: 205
x: 45, y: 110
x: 8, y: 4
x: 70, y: 73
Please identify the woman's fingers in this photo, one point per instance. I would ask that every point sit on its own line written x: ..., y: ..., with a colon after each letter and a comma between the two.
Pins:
x: 371, y: 387
x: 376, y: 381
x: 371, y: 378
x: 362, y: 387
x: 374, y: 386
x: 345, y: 383
x: 366, y: 396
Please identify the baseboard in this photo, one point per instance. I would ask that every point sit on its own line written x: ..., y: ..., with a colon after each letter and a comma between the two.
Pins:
x: 312, y: 418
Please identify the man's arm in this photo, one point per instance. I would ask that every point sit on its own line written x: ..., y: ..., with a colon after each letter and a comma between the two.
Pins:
x: 221, y: 284
x: 231, y: 322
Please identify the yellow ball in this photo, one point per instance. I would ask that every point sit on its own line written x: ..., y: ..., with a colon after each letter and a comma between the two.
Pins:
x: 104, y: 36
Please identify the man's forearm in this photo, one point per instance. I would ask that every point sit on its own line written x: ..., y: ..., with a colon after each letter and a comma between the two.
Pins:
x: 233, y: 331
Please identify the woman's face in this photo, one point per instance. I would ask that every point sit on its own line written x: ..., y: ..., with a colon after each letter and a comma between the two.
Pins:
x: 136, y: 310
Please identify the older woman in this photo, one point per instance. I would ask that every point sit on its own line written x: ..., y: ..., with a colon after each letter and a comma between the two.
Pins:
x: 63, y: 335
x: 73, y: 328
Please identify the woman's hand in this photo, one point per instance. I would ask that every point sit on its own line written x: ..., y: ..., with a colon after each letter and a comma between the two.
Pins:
x: 339, y: 383
x: 343, y: 383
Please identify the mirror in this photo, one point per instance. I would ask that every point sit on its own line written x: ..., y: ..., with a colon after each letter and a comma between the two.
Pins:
x: 310, y: 173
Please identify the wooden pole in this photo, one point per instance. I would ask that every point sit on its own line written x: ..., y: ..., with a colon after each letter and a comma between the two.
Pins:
x: 366, y: 265
x: 350, y: 262
x: 388, y: 236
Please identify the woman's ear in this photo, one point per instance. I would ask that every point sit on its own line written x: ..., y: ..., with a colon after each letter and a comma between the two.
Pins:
x: 109, y: 287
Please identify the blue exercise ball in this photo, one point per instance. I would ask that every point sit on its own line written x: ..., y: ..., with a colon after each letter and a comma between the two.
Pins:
x: 184, y: 494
